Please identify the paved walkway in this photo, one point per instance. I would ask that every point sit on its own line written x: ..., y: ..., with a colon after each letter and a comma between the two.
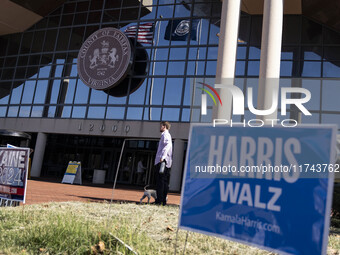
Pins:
x: 43, y: 191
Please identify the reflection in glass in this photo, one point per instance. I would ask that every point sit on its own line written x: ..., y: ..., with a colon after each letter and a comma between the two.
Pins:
x: 82, y: 93
x: 157, y: 93
x: 170, y: 114
x: 70, y: 86
x: 66, y: 112
x: 51, y: 111
x: 37, y: 111
x: 253, y: 68
x: 16, y: 94
x: 155, y: 114
x: 254, y: 52
x: 176, y: 68
x: 115, y: 113
x: 314, y: 118
x: 96, y: 112
x: 185, y: 115
x: 331, y: 69
x: 3, y: 110
x: 24, y: 111
x: 330, y: 95
x: 286, y: 68
x: 240, y: 68
x: 311, y: 69
x: 313, y: 85
x: 138, y: 96
x: 40, y: 93
x: 134, y: 113
x: 44, y: 72
x: 27, y: 96
x: 98, y: 97
x: 13, y: 111
x: 331, y: 119
x: 173, y: 91
x: 78, y: 112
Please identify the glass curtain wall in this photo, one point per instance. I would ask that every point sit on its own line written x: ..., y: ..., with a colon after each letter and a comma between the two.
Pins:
x: 39, y: 74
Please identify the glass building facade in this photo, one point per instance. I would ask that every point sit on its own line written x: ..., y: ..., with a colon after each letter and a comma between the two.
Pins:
x: 39, y: 79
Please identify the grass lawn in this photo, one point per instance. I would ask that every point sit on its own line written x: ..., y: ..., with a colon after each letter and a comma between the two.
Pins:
x: 84, y: 228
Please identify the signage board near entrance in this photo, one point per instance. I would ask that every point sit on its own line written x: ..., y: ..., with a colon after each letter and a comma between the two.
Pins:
x: 13, y: 173
x: 286, y: 212
x: 73, y: 173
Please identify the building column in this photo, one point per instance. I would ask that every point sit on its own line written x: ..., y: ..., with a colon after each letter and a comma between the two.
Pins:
x: 226, y: 59
x: 270, y: 56
x: 38, y: 158
x: 177, y: 165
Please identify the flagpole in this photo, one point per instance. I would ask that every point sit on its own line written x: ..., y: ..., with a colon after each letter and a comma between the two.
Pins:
x: 196, y: 67
x: 153, y: 68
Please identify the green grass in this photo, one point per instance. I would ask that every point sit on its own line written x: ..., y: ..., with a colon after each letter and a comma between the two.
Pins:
x: 79, y: 228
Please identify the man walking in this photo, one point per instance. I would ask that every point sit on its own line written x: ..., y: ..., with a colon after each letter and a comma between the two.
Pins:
x: 163, y: 163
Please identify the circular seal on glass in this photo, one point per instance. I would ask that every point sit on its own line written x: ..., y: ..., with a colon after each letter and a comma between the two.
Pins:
x: 104, y: 59
x: 182, y: 28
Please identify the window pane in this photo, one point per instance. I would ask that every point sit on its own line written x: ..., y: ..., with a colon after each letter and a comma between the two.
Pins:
x: 13, y: 111
x: 314, y: 87
x: 330, y: 95
x: 25, y: 111
x: 78, y: 112
x: 66, y: 112
x: 37, y: 111
x: 173, y: 91
x: 27, y: 97
x: 310, y: 119
x: 157, y: 93
x: 254, y: 53
x: 253, y: 68
x: 96, y: 112
x: 44, y: 72
x: 138, y: 96
x: 98, y: 97
x: 51, y: 111
x: 311, y: 69
x: 3, y: 110
x: 134, y: 113
x: 82, y: 93
x: 241, y: 52
x: 185, y: 115
x: 286, y: 68
x: 70, y: 83
x: 115, y: 113
x: 331, y: 69
x: 176, y: 68
x: 311, y: 53
x: 155, y: 113
x: 16, y: 94
x: 40, y: 93
x: 331, y: 119
x: 170, y: 114
x: 240, y: 68
x: 55, y: 91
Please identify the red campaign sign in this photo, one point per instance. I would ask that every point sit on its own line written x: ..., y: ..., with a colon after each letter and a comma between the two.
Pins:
x: 13, y: 173
x: 12, y: 190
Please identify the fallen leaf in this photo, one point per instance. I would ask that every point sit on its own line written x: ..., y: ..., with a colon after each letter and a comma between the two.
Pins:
x: 169, y: 228
x: 101, y: 246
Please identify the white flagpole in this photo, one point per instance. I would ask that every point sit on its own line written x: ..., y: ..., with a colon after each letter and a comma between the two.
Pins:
x: 196, y: 68
x: 153, y: 68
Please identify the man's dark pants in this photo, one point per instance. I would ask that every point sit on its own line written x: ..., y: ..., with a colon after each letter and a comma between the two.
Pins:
x: 162, y: 187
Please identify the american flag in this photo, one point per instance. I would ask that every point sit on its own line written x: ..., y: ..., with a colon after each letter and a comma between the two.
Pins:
x: 144, y: 35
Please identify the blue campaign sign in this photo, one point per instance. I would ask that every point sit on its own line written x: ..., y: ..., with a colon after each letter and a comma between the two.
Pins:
x: 268, y: 187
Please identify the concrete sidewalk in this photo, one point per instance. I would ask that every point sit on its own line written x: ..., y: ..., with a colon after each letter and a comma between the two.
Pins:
x: 44, y: 191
